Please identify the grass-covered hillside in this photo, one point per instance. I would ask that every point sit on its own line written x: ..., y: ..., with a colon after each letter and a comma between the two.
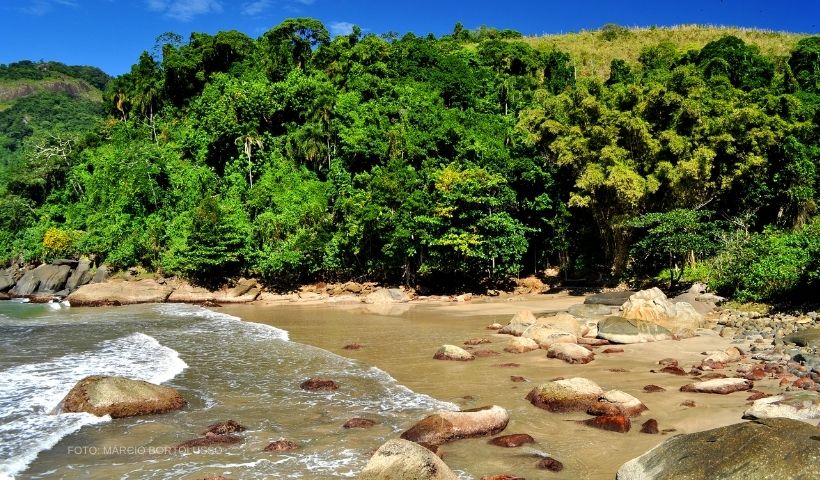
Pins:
x: 594, y: 50
x: 451, y: 162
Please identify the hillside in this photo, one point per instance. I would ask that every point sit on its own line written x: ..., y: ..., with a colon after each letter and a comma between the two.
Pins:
x: 594, y: 50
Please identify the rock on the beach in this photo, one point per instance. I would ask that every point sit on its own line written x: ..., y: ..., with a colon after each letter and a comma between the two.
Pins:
x: 809, y: 337
x: 120, y: 397
x: 616, y: 402
x: 566, y: 395
x: 775, y: 448
x: 522, y: 320
x: 521, y: 345
x: 404, y: 460
x: 595, y: 311
x: 319, y: 384
x: 477, y: 341
x: 120, y: 293
x: 720, y: 386
x: 80, y: 276
x: 186, y: 293
x: 387, y: 295
x: 495, y: 326
x: 652, y: 306
x: 650, y: 426
x: 612, y: 423
x: 443, y: 427
x: 797, y: 405
x: 452, y: 352
x: 545, y: 336
x: 623, y: 330
x: 563, y: 322
x: 512, y: 441
x: 570, y: 353
x: 614, y: 299
x: 551, y: 464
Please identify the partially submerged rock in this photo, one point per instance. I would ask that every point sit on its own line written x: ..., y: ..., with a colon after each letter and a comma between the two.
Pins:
x: 720, y: 386
x: 120, y: 397
x: 210, y: 439
x: 319, y: 384
x: 281, y: 446
x: 521, y: 345
x: 570, y: 353
x: 623, y: 330
x: 359, y: 423
x: 221, y: 428
x: 775, y: 448
x: 616, y: 402
x: 612, y: 423
x: 404, y: 460
x: 452, y: 352
x: 444, y: 427
x: 512, y: 441
x: 120, y: 293
x: 797, y: 405
x: 567, y: 395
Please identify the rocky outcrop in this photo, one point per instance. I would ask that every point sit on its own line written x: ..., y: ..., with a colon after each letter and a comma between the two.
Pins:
x: 444, y: 427
x: 614, y: 299
x: 652, y: 306
x: 623, y: 330
x: 452, y: 352
x: 6, y: 281
x: 762, y: 449
x: 721, y: 386
x: 404, y: 460
x: 187, y: 293
x: 120, y: 293
x: 567, y: 395
x: 120, y: 397
x: 797, y: 405
x: 80, y: 276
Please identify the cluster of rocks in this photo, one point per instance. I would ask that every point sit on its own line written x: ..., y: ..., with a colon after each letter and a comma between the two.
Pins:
x: 49, y: 281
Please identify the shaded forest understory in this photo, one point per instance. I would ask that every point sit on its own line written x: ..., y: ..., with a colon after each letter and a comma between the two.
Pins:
x: 452, y: 162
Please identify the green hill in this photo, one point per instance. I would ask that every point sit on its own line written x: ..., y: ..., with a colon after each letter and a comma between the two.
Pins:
x: 594, y: 50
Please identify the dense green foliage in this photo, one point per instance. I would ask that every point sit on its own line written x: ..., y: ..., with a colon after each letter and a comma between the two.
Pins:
x: 448, y: 162
x: 28, y: 70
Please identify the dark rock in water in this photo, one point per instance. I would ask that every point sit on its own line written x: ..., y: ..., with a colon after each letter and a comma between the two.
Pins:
x: 653, y: 388
x: 281, y: 446
x: 221, y: 428
x: 688, y: 403
x: 209, y: 440
x: 551, y: 464
x: 210, y: 304
x: 477, y: 341
x: 613, y: 423
x: 359, y: 423
x: 445, y: 427
x: 650, y: 426
x: 508, y: 365
x: 502, y: 476
x: 674, y: 370
x: 120, y: 397
x: 353, y: 346
x: 485, y: 353
x: 809, y: 337
x: 512, y: 441
x: 614, y: 350
x: 763, y: 449
x: 615, y: 299
x: 517, y: 378
x: 319, y: 384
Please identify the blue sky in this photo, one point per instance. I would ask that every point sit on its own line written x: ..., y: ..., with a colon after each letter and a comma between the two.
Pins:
x: 111, y: 34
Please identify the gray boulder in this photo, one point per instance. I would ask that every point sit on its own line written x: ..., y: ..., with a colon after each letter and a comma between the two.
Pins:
x: 809, y: 337
x: 100, y: 276
x: 622, y: 330
x: 52, y: 277
x: 6, y: 281
x: 613, y: 299
x: 773, y: 448
x: 80, y: 276
x: 27, y: 284
x: 404, y: 460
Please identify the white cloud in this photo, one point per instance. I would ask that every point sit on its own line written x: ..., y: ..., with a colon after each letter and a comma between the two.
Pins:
x: 41, y: 7
x: 341, y: 28
x: 184, y: 10
x: 256, y: 7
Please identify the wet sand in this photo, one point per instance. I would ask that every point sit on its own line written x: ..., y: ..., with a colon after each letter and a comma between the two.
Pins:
x: 401, y: 340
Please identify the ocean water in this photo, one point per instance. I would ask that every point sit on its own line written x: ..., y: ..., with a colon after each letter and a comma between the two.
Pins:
x: 224, y: 367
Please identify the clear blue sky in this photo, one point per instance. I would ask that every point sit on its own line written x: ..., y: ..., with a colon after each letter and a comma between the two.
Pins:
x: 111, y: 34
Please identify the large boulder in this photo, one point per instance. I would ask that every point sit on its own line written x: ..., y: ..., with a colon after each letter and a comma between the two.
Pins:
x: 545, y: 335
x: 563, y: 322
x: 120, y: 293
x: 809, y: 337
x: 27, y: 284
x: 80, y: 276
x: 6, y: 281
x: 520, y: 322
x: 120, y: 397
x: 443, y: 427
x: 570, y: 353
x: 567, y: 395
x: 387, y: 295
x: 587, y: 310
x: 52, y: 277
x: 404, y: 460
x: 797, y: 405
x: 187, y: 293
x: 614, y: 299
x: 774, y: 448
x: 616, y: 402
x: 623, y: 330
x: 721, y: 386
x: 452, y: 352
x: 652, y: 306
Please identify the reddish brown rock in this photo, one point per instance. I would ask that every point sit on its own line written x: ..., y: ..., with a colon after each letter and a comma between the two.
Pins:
x: 502, y: 476
x: 445, y: 427
x: 281, y: 446
x: 804, y: 383
x: 359, y: 423
x: 756, y: 373
x: 613, y: 423
x: 595, y: 342
x: 688, y: 403
x: 551, y: 464
x: 508, y: 365
x: 653, y: 388
x: 720, y: 386
x: 650, y: 426
x: 613, y: 350
x: 353, y: 346
x: 512, y: 441
x: 477, y: 341
x: 210, y: 439
x: 221, y: 428
x: 517, y: 378
x: 673, y: 369
x: 756, y: 395
x: 667, y: 362
x: 319, y: 384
